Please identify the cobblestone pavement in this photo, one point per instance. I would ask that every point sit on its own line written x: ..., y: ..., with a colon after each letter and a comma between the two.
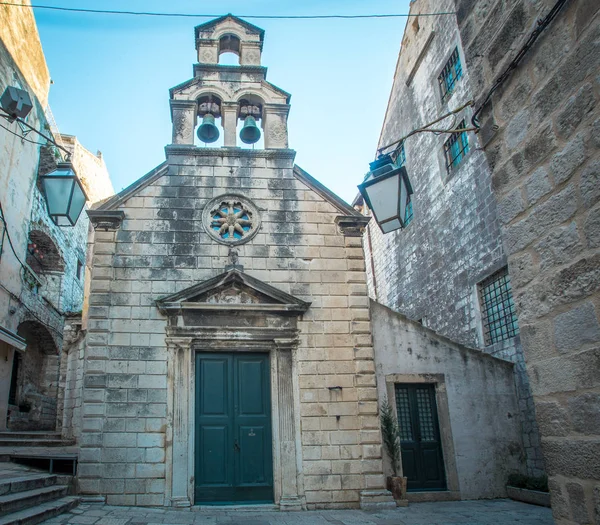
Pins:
x: 483, y: 512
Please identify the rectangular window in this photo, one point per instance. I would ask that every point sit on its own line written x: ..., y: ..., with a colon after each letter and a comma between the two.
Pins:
x: 450, y: 75
x: 79, y: 270
x: 456, y: 148
x: 497, y: 308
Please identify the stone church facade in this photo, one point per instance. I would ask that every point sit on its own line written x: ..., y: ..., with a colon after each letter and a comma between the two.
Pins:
x: 228, y: 354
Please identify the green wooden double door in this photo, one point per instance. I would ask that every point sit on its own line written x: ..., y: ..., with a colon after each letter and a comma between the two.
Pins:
x: 233, y: 429
x: 422, y: 459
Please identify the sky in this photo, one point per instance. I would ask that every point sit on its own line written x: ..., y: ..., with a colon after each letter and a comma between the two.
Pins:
x: 112, y: 74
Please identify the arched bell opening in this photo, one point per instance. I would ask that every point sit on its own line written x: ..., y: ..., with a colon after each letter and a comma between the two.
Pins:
x: 209, y: 132
x: 34, y: 381
x: 229, y: 50
x: 250, y: 123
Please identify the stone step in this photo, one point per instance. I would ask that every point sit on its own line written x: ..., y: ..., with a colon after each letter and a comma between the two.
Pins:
x: 31, y: 442
x: 39, y: 513
x: 41, y: 434
x: 21, y: 500
x: 13, y: 484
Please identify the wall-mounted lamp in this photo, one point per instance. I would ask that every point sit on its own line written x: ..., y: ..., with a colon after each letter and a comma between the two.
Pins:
x: 386, y: 191
x: 65, y: 197
x: 64, y: 194
x: 16, y: 103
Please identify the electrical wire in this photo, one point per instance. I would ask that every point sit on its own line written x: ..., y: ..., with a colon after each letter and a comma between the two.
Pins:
x: 542, y: 24
x: 32, y: 313
x: 10, y: 117
x: 427, y: 128
x: 190, y: 15
x: 10, y: 243
x: 22, y: 137
x: 24, y: 268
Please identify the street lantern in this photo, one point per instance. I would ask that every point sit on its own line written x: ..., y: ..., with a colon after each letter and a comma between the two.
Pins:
x: 64, y: 193
x: 386, y: 191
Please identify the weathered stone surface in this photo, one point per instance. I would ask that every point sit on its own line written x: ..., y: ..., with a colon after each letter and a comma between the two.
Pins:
x: 576, y: 328
x: 592, y: 228
x: 578, y: 503
x: 584, y: 410
x: 560, y: 246
x: 590, y: 184
x: 556, y: 83
x: 573, y: 457
x: 537, y: 185
x: 552, y: 419
x: 565, y: 162
x: 575, y: 110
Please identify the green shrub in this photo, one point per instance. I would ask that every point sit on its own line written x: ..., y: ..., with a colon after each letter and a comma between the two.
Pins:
x: 390, y: 434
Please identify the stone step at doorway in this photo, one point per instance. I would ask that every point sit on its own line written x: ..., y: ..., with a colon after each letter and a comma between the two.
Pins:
x: 33, y: 439
x: 29, y: 496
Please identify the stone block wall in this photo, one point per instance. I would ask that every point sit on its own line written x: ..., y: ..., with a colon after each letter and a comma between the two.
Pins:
x: 476, y: 401
x: 430, y: 270
x: 161, y: 248
x: 545, y: 167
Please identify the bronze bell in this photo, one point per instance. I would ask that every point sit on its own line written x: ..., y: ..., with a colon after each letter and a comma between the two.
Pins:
x: 250, y: 132
x: 208, y: 132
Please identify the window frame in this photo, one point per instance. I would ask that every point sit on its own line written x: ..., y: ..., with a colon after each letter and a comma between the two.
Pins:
x: 499, y: 319
x: 455, y: 157
x: 450, y: 74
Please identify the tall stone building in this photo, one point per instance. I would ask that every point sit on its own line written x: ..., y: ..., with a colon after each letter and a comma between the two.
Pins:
x: 228, y: 354
x: 540, y: 135
x: 447, y: 268
x: 41, y: 264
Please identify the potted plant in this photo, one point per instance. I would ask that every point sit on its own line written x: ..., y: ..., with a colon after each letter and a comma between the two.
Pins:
x: 391, y: 441
x: 528, y: 489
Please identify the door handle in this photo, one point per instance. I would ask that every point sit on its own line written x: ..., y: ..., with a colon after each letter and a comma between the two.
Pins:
x: 236, y: 446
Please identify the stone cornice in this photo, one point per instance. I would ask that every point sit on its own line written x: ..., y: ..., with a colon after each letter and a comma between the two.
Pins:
x: 106, y: 219
x: 352, y: 226
x: 185, y: 149
x: 178, y: 103
x: 220, y: 68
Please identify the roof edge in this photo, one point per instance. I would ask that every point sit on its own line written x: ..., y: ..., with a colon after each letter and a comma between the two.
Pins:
x: 340, y: 204
x: 118, y: 199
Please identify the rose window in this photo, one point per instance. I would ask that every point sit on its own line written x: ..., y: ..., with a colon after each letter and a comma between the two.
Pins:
x: 231, y: 219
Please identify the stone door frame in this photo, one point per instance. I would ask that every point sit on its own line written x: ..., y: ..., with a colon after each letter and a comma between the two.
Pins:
x: 452, y: 491
x: 181, y: 415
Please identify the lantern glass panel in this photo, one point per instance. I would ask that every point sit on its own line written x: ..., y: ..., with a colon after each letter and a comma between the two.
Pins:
x: 77, y: 203
x: 58, y: 193
x: 384, y: 197
x: 390, y: 226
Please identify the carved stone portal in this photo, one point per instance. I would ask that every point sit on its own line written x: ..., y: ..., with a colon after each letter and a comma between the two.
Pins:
x: 233, y: 312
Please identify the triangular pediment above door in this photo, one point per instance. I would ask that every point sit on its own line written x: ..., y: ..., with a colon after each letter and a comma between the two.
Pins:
x: 232, y: 290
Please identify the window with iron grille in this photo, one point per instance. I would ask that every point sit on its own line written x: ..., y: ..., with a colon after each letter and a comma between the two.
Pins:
x: 450, y: 75
x: 456, y: 148
x: 497, y: 308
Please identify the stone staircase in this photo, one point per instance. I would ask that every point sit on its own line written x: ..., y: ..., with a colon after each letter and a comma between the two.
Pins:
x: 32, y: 439
x: 29, y: 496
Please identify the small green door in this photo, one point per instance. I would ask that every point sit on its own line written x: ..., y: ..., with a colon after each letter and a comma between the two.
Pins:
x: 422, y: 460
x: 233, y: 429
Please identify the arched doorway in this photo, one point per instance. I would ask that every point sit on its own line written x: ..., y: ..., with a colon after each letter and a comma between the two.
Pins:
x: 34, y: 381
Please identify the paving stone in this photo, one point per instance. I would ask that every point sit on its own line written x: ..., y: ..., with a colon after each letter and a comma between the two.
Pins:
x: 488, y: 512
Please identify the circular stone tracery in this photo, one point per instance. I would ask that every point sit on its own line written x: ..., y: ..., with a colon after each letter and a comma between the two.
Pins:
x: 231, y: 219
